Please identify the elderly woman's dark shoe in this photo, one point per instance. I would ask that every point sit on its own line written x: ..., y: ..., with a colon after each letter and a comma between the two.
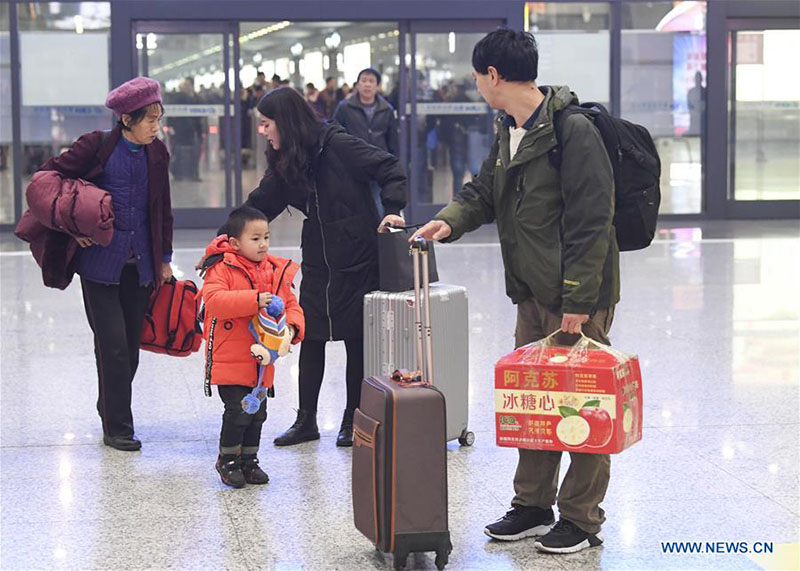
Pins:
x: 125, y: 443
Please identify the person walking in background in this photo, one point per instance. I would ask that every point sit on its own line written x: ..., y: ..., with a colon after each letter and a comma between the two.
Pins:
x: 368, y: 116
x: 187, y: 136
x: 328, y: 97
x: 313, y: 98
x: 343, y: 92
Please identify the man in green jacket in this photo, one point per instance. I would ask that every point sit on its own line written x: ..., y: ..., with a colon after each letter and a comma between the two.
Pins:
x: 561, y: 263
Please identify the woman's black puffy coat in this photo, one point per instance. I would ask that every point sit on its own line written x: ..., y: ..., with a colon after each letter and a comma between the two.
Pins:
x: 339, y: 242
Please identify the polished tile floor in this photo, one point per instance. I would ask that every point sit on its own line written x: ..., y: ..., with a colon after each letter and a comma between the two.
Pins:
x: 712, y: 311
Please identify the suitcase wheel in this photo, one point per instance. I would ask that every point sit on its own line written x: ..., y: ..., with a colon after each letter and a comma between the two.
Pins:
x: 441, y: 560
x: 400, y: 561
x: 467, y: 438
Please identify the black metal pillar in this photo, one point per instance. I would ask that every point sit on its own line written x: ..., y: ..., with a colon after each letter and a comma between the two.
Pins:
x: 16, y: 109
x: 615, y: 59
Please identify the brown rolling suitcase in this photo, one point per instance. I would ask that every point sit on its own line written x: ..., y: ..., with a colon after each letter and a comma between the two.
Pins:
x: 399, y: 452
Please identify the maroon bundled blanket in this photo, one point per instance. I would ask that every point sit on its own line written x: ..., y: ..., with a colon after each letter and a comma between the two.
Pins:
x: 59, y: 210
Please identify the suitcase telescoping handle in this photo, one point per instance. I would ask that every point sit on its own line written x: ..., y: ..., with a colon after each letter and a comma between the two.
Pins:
x: 419, y: 252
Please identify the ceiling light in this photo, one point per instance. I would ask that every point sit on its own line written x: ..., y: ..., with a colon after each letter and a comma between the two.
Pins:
x: 333, y: 41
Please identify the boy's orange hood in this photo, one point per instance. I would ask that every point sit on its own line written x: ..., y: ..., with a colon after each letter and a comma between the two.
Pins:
x: 220, y: 245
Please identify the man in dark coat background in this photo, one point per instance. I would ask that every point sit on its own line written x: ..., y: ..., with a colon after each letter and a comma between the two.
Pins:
x: 368, y: 116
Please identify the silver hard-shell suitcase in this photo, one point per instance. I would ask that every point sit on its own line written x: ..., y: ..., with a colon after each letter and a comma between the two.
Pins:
x: 390, y: 338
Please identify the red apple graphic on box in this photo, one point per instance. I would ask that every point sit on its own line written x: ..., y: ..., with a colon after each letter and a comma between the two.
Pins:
x: 600, y: 425
x: 572, y: 430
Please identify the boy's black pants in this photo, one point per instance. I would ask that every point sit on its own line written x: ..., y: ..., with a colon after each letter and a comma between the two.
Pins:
x: 241, y: 432
x: 115, y: 314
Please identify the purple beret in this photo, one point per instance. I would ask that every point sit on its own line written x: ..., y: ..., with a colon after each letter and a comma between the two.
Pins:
x: 134, y: 94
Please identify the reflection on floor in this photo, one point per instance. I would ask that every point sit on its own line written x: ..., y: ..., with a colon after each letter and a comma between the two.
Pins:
x: 709, y: 310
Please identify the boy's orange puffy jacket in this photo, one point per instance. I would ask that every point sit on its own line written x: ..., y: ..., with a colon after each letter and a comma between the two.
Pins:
x: 230, y: 292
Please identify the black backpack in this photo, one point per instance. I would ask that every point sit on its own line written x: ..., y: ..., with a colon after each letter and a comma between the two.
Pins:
x: 637, y: 172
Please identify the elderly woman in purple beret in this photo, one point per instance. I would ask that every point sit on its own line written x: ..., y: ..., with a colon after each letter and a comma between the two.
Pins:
x: 131, y: 164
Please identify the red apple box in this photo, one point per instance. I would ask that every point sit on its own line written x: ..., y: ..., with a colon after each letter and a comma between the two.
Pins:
x: 586, y: 398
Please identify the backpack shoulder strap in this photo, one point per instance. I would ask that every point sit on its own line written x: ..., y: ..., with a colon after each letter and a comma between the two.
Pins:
x: 559, y: 117
x: 210, y: 262
x: 207, y: 264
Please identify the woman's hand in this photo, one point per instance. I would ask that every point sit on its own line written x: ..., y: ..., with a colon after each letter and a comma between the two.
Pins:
x: 85, y: 242
x: 199, y: 265
x: 393, y: 220
x: 166, y: 272
x: 264, y: 299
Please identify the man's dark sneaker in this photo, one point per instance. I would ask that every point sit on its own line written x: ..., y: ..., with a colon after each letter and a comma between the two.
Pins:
x: 125, y: 443
x: 253, y: 474
x: 566, y: 537
x: 304, y: 429
x: 521, y: 522
x: 229, y: 467
x: 345, y: 437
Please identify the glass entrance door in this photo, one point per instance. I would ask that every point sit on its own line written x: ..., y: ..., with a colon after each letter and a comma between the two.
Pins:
x: 450, y: 126
x: 194, y: 64
x: 764, y: 114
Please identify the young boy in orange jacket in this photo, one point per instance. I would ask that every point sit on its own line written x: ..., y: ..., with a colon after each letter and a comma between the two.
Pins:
x: 241, y: 278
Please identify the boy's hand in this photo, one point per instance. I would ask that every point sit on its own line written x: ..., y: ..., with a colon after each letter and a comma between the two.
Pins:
x: 264, y: 299
x: 286, y: 342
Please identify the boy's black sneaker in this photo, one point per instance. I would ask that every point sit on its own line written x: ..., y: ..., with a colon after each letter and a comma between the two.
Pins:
x: 253, y: 474
x: 566, y: 537
x: 521, y: 522
x: 229, y: 467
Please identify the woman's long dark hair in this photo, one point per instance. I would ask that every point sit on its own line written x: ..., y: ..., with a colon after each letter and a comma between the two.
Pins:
x: 299, y: 129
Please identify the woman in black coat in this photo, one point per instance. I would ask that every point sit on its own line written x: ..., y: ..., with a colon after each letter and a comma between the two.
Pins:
x: 325, y: 173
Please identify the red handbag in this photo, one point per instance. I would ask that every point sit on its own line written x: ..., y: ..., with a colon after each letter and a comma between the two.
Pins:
x: 171, y: 324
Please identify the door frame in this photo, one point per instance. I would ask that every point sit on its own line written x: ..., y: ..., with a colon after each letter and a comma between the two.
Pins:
x: 418, y: 211
x: 205, y: 217
x: 721, y: 14
x: 748, y: 208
